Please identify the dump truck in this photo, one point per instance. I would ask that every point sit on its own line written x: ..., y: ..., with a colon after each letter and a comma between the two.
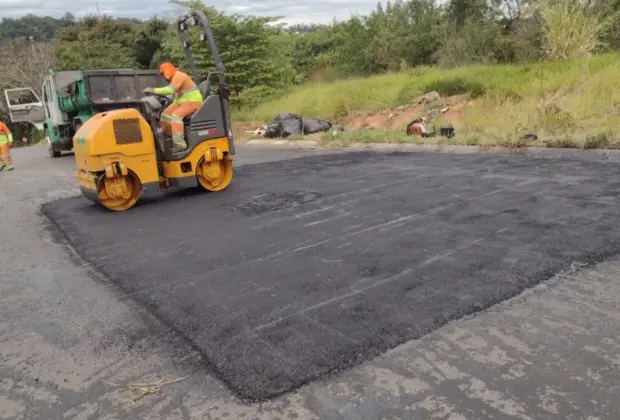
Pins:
x: 69, y: 98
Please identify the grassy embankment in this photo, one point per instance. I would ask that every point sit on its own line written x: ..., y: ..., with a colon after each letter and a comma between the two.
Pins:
x: 565, y: 103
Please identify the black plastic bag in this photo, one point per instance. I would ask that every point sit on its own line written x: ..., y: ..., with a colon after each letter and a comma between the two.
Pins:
x: 316, y: 125
x: 285, y: 125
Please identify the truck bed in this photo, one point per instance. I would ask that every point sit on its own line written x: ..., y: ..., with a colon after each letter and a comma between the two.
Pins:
x: 105, y: 87
x: 117, y: 86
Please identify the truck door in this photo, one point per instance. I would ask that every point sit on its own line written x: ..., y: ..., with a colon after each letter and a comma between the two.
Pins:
x: 25, y: 106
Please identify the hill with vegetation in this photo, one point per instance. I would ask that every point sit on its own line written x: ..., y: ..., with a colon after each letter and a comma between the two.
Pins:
x: 509, y: 67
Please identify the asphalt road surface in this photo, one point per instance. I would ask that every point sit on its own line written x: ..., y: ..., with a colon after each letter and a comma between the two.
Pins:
x: 312, y: 277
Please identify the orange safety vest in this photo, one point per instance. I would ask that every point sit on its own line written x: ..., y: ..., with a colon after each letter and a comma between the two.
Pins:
x: 5, y: 134
x: 184, y: 88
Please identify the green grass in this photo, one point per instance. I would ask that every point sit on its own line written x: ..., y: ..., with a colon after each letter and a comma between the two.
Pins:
x: 566, y: 103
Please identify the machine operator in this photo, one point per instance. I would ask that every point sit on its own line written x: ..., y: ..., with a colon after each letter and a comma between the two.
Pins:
x: 6, y: 140
x: 187, y: 100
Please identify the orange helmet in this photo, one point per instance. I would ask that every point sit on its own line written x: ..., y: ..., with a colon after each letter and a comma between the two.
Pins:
x: 167, y: 70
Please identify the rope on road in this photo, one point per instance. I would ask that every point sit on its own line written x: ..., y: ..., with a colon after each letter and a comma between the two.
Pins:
x: 139, y: 390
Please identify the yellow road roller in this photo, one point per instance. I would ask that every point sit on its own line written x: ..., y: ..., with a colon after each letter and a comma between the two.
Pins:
x: 121, y: 152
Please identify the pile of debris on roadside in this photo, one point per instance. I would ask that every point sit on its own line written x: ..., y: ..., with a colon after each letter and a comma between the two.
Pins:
x: 415, y: 118
x: 293, y: 125
x: 427, y: 115
x: 418, y: 127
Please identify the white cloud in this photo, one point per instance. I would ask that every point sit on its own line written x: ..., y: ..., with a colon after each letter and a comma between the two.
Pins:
x: 303, y: 11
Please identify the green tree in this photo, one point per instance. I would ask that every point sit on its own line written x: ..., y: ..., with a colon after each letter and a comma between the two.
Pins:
x: 98, y: 42
x: 40, y: 28
x: 352, y: 55
x: 398, y: 35
x: 462, y: 11
x: 251, y: 49
x: 148, y: 42
x: 311, y: 52
x: 410, y: 33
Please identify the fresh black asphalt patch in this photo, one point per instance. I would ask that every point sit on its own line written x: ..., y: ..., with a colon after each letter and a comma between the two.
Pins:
x: 310, y: 265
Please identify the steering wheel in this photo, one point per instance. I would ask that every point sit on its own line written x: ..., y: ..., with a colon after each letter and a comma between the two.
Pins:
x: 162, y: 99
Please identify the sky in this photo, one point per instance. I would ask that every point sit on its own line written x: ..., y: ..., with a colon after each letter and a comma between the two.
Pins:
x: 292, y: 11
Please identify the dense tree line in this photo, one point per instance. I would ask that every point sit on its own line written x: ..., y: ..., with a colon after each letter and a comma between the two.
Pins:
x: 41, y: 28
x: 264, y: 58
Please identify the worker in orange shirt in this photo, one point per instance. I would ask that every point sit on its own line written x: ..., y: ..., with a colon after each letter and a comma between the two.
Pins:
x: 6, y: 140
x: 187, y: 100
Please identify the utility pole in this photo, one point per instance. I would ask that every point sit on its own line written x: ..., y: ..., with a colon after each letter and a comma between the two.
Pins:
x: 98, y: 13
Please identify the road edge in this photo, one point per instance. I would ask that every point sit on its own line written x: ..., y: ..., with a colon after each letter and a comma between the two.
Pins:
x: 610, y: 155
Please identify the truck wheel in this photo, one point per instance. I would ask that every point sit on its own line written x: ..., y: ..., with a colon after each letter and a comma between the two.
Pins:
x: 51, y: 149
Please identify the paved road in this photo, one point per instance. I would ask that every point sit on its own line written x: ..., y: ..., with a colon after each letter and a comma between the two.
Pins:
x: 66, y: 335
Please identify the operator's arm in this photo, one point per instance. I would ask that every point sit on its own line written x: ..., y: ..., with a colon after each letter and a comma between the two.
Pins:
x: 4, y: 130
x: 163, y: 91
x: 174, y: 85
